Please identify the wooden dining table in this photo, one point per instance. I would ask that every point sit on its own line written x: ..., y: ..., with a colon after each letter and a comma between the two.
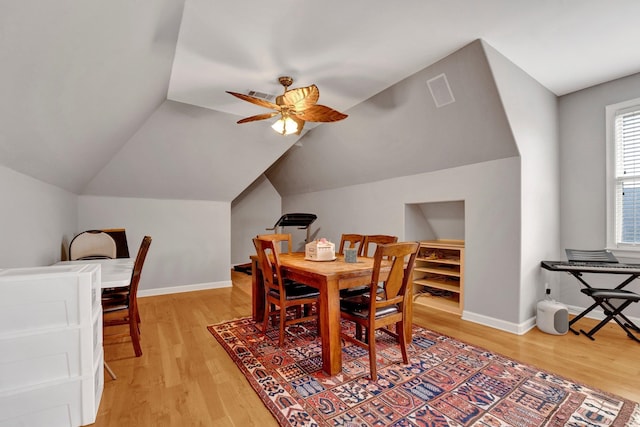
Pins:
x: 328, y: 277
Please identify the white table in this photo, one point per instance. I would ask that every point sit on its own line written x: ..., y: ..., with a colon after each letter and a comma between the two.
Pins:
x: 115, y: 273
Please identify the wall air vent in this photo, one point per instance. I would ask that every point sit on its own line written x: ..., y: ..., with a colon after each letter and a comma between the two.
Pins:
x: 440, y: 90
x: 261, y: 95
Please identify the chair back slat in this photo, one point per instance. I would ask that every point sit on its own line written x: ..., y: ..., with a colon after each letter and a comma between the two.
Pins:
x: 375, y: 239
x: 350, y: 241
x: 401, y: 257
x: 278, y: 239
x: 269, y: 264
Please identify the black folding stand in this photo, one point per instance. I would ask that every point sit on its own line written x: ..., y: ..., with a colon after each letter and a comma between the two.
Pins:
x: 603, y: 298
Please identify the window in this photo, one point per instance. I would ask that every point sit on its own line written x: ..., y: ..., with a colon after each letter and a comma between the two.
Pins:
x: 623, y: 171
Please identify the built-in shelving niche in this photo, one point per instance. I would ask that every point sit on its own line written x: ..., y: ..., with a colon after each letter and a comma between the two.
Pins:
x: 439, y: 272
x: 434, y: 220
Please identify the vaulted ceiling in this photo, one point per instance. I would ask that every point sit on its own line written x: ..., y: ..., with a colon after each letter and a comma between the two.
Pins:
x: 128, y: 98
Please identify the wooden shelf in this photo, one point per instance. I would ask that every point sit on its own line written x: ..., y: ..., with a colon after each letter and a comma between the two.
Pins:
x: 438, y: 270
x: 449, y: 305
x: 438, y: 285
x: 452, y: 261
x: 439, y: 275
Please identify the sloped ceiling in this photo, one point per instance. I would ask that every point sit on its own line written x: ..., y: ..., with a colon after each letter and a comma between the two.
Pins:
x: 355, y: 49
x: 401, y: 131
x: 87, y: 87
x: 78, y: 79
x: 188, y: 152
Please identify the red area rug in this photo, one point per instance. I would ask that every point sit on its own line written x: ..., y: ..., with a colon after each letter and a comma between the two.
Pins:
x: 447, y: 383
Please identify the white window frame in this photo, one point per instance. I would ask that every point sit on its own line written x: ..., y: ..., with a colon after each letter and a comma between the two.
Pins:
x: 623, y: 250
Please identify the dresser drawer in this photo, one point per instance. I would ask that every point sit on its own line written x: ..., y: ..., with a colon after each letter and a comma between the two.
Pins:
x: 38, y: 358
x: 47, y: 297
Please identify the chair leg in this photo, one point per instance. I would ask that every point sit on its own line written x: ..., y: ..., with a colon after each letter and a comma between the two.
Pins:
x: 403, y: 341
x: 265, y: 319
x: 273, y: 318
x: 371, y: 338
x: 283, y: 321
x: 135, y: 335
x: 137, y: 318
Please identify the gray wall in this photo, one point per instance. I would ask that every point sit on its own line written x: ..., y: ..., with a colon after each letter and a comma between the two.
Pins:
x: 190, y: 153
x: 508, y: 116
x: 510, y: 203
x: 78, y: 79
x: 401, y: 132
x: 191, y: 239
x: 444, y: 220
x: 256, y: 209
x: 37, y: 220
x: 583, y: 177
x: 533, y: 117
x: 491, y: 194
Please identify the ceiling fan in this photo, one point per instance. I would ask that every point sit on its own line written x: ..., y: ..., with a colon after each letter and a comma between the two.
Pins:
x: 295, y: 107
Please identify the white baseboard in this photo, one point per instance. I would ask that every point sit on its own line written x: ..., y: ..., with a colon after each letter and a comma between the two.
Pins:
x: 526, y: 326
x: 597, y: 314
x: 514, y: 328
x: 183, y: 288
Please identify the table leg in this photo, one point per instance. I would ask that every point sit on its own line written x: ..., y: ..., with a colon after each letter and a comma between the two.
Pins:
x: 330, y: 329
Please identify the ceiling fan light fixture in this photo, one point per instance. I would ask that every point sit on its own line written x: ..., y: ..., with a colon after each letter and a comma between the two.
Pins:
x: 294, y: 106
x: 285, y: 126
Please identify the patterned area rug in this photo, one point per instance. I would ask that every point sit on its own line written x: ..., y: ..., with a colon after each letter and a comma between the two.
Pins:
x: 447, y: 383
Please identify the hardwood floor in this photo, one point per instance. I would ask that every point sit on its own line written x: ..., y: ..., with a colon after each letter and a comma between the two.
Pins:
x: 185, y: 378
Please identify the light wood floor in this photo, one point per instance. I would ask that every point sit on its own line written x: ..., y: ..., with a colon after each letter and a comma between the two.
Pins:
x: 185, y: 378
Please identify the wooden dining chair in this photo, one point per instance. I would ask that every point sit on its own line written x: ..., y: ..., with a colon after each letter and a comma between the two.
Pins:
x: 388, y: 307
x: 280, y: 239
x: 120, y: 307
x: 350, y: 241
x: 92, y: 244
x: 280, y: 296
x: 365, y: 249
x: 375, y: 239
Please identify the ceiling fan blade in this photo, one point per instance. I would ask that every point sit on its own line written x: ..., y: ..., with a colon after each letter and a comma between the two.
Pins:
x: 301, y: 98
x: 258, y: 117
x: 253, y: 100
x: 320, y: 113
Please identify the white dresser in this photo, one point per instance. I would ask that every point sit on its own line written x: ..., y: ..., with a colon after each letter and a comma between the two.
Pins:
x: 51, y: 359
